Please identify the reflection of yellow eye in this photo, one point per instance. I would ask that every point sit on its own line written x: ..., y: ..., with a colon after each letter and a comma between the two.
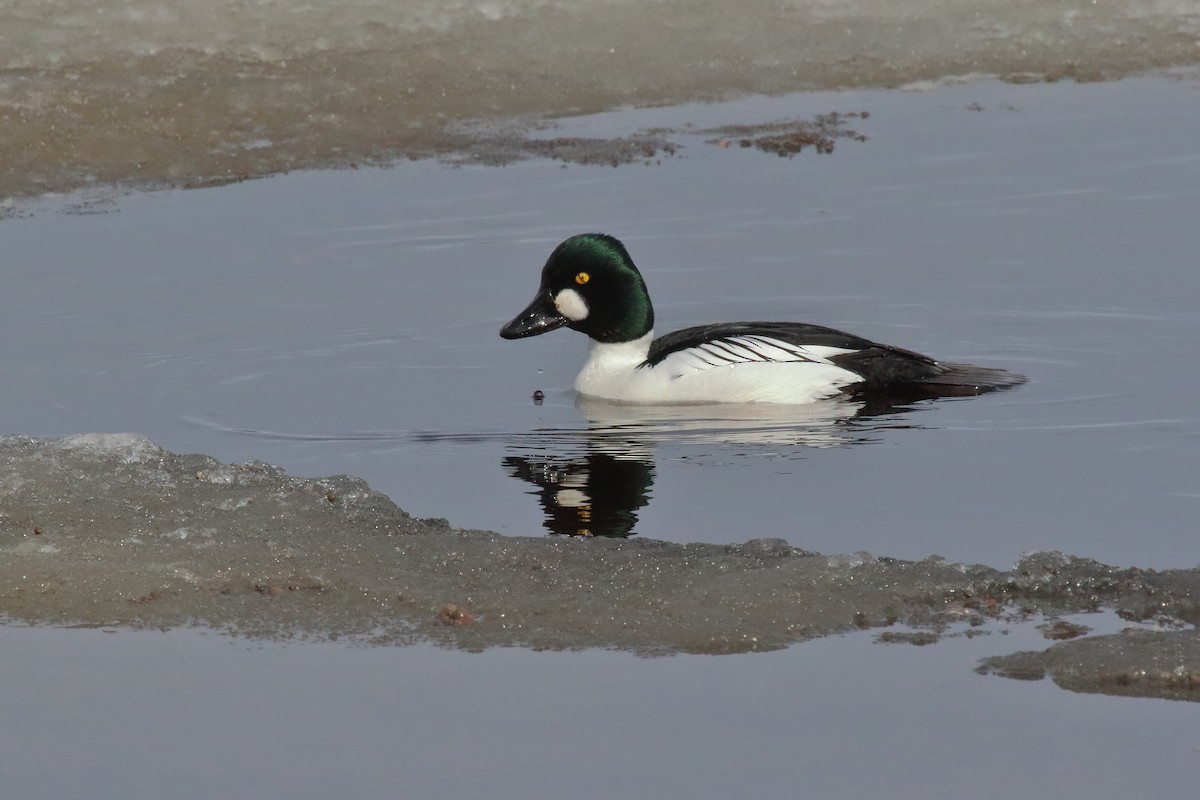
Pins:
x: 582, y: 278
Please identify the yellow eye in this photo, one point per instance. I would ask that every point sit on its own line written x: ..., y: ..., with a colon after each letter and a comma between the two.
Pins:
x: 582, y: 278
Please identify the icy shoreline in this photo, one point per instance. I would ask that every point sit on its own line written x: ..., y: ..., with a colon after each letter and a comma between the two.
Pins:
x: 110, y: 530
x: 178, y: 94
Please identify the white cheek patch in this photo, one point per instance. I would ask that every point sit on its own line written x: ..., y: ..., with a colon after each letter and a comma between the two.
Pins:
x: 571, y: 305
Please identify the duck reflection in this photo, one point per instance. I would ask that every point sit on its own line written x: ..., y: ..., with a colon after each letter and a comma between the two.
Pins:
x: 592, y: 482
x: 597, y: 494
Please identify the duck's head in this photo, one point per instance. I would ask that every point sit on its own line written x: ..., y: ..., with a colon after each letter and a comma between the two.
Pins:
x: 589, y: 284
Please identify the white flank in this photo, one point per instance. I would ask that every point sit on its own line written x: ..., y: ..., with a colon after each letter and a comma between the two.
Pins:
x: 744, y: 369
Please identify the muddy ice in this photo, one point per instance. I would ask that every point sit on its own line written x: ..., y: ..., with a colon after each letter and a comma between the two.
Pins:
x: 111, y: 530
x: 164, y: 92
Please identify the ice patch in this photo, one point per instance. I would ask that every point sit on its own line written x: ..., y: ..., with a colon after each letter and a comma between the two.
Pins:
x: 850, y: 560
x: 233, y: 505
x: 132, y: 448
x: 224, y: 90
x: 30, y: 548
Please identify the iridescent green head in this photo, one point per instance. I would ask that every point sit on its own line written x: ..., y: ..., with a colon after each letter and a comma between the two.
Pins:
x: 589, y: 284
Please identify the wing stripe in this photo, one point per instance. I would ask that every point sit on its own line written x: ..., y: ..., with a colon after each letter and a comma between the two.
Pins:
x: 764, y: 347
x: 777, y: 350
x: 706, y: 347
x: 726, y: 350
x: 751, y: 348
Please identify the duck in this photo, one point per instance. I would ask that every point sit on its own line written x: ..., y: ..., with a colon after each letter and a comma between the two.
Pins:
x: 590, y: 284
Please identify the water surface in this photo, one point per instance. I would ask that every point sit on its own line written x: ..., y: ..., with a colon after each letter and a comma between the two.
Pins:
x: 346, y: 322
x: 194, y: 716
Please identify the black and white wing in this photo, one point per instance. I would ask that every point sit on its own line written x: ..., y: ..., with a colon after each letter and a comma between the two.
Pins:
x: 877, y: 369
x: 748, y: 342
x: 746, y: 348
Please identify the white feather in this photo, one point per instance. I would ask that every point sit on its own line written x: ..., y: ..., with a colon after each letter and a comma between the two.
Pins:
x: 739, y: 370
x: 571, y: 305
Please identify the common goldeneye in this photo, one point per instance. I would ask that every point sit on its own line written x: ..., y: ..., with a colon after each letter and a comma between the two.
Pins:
x: 590, y: 284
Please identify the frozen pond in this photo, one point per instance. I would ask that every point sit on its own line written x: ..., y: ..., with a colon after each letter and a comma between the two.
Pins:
x: 346, y: 322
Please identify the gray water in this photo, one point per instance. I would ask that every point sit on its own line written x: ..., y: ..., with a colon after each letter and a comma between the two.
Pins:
x: 192, y: 716
x: 346, y: 322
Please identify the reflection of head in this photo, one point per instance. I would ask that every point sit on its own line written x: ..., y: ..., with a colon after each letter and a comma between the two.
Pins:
x: 594, y: 495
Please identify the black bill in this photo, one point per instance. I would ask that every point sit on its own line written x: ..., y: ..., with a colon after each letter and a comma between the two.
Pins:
x: 538, y: 317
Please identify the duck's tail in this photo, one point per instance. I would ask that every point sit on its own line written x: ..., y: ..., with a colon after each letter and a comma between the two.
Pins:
x: 934, y: 379
x: 966, y: 380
